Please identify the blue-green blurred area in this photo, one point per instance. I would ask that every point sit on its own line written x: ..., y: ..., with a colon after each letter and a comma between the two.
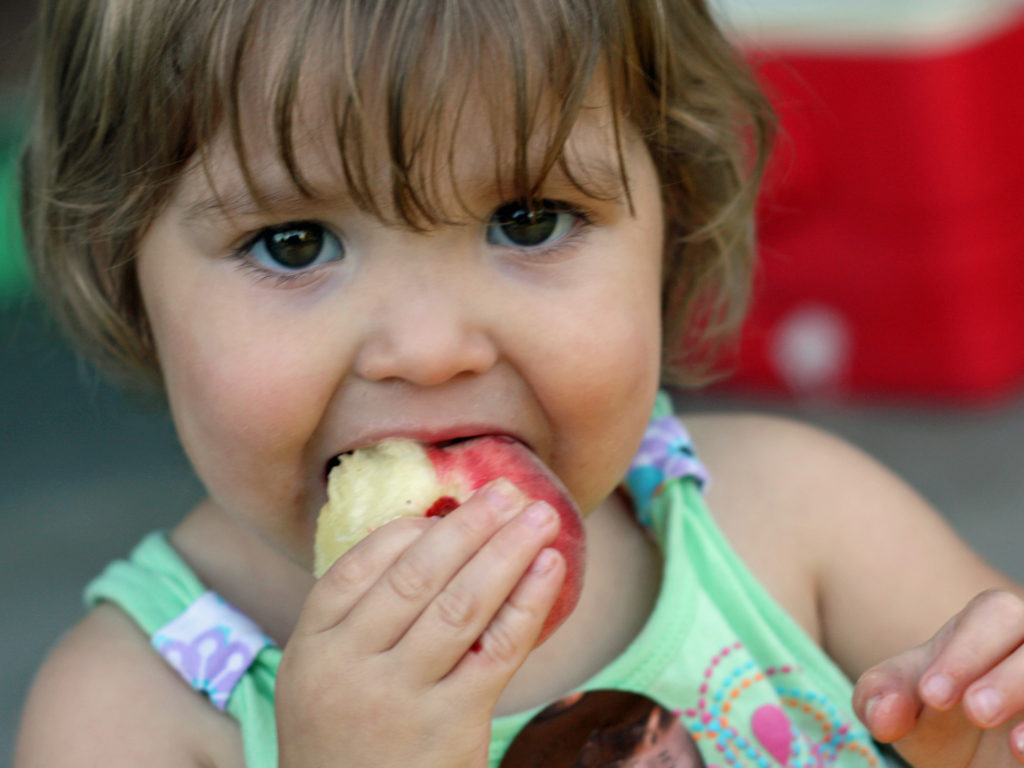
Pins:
x: 14, y: 282
x: 16, y: 45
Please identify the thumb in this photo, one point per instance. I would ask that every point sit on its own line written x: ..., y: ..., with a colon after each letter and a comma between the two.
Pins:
x: 886, y: 698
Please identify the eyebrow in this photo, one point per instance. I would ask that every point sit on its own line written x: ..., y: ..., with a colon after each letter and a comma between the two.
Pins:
x: 596, y: 177
x: 239, y: 202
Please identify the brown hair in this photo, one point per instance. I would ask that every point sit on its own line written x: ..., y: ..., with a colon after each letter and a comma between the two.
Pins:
x: 131, y: 92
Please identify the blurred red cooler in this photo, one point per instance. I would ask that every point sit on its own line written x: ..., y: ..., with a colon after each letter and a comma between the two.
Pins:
x: 892, y: 224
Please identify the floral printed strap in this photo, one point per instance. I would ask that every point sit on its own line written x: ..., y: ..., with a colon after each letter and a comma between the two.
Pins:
x: 666, y: 453
x: 211, y: 645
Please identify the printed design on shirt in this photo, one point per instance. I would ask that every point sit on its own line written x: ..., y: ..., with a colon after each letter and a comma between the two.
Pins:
x: 211, y: 645
x: 666, y: 453
x: 604, y: 728
x: 797, y: 729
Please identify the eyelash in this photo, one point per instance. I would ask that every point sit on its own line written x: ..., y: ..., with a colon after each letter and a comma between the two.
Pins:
x: 583, y: 220
x: 245, y: 261
x: 262, y: 274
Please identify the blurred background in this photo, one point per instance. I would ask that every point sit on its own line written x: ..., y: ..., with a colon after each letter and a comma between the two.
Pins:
x: 889, y: 307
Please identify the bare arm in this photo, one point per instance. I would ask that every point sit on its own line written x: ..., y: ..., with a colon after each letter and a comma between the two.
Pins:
x: 883, y: 583
x: 890, y: 570
x: 105, y: 698
x: 860, y: 559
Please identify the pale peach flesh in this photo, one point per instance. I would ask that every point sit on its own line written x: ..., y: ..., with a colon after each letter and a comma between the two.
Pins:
x: 403, y: 478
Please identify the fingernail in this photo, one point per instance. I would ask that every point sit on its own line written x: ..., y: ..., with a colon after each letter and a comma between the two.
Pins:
x: 544, y: 562
x: 986, y: 704
x: 869, y: 708
x: 938, y: 690
x: 538, y: 515
x: 502, y: 495
x: 875, y: 703
x: 1018, y: 741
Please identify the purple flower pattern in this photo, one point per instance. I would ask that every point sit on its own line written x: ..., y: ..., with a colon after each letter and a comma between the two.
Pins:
x: 665, y: 453
x: 211, y: 645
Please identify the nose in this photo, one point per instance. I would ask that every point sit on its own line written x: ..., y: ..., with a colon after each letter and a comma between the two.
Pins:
x: 426, y: 332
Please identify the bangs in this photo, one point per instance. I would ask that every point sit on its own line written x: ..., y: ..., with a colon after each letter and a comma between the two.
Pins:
x: 391, y: 83
x: 136, y: 94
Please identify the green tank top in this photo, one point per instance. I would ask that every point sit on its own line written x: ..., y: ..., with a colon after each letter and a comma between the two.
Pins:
x: 747, y: 683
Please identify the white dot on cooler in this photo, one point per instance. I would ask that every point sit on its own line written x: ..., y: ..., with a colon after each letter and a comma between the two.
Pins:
x: 811, y: 348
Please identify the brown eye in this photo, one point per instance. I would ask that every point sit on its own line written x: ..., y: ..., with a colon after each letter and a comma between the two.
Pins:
x: 523, y: 225
x: 295, y: 246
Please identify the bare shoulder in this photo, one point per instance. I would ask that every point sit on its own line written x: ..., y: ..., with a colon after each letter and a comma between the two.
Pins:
x: 103, y: 697
x: 768, y: 465
x: 860, y: 558
x: 776, y: 473
x: 768, y: 454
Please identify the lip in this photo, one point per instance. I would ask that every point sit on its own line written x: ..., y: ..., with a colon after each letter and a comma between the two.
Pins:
x: 426, y: 436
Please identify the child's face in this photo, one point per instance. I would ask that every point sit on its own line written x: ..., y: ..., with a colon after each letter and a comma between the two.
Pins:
x: 289, y: 336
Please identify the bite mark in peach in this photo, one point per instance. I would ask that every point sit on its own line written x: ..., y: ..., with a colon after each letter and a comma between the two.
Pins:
x: 403, y: 478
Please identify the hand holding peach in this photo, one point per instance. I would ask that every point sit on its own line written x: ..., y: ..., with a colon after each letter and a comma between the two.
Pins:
x: 422, y: 623
x: 402, y: 478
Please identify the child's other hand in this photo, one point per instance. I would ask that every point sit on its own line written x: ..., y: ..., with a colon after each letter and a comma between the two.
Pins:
x: 958, y: 700
x: 405, y: 645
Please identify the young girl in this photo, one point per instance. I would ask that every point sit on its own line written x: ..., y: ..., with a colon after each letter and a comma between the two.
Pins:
x: 314, y: 224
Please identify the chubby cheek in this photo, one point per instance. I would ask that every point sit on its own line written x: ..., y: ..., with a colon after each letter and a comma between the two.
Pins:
x: 245, y: 406
x: 615, y: 370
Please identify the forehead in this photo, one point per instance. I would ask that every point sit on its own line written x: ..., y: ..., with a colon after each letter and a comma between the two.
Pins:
x: 409, y: 134
x: 460, y: 168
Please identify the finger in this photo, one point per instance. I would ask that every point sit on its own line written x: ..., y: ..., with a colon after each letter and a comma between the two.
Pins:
x: 885, y: 697
x: 997, y: 696
x: 1017, y: 742
x: 416, y: 577
x: 456, y: 618
x: 512, y: 633
x: 978, y: 639
x: 345, y: 583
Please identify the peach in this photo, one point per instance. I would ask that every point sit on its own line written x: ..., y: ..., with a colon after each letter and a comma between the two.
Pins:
x: 403, y: 478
